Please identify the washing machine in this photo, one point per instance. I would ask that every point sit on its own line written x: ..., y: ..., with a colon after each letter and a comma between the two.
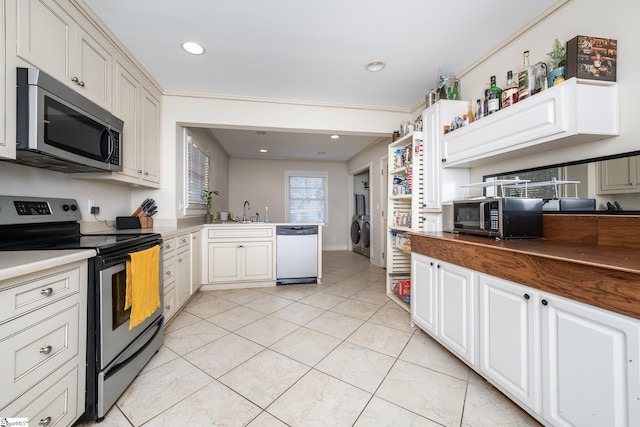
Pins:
x: 365, y: 235
x: 356, y: 229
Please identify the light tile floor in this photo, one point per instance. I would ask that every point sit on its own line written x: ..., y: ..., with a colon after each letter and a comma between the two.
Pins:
x: 338, y: 353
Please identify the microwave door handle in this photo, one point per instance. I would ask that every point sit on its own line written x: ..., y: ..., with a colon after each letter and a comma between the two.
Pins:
x: 482, y: 205
x: 112, y: 144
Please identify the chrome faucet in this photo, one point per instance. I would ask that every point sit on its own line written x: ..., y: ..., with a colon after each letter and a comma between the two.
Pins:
x: 245, y: 207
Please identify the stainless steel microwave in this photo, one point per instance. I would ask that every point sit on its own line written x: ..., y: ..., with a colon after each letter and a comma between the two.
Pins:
x: 503, y: 217
x: 59, y: 129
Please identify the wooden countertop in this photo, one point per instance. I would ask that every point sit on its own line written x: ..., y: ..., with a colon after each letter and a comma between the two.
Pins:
x: 604, y: 276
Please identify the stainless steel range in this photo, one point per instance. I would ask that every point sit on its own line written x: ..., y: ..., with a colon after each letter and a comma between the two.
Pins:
x: 115, y: 354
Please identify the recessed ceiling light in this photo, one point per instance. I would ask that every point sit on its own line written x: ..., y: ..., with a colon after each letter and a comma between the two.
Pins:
x: 375, y: 66
x: 322, y: 152
x: 335, y: 136
x: 261, y: 132
x: 193, y: 48
x: 263, y: 150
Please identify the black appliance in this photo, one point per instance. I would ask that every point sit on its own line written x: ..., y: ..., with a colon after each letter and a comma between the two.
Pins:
x: 61, y: 130
x: 503, y: 217
x: 115, y: 354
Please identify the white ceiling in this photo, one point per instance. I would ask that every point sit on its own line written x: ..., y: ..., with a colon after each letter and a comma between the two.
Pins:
x: 310, y: 51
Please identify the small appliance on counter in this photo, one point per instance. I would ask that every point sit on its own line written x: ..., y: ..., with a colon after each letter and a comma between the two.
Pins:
x: 502, y: 217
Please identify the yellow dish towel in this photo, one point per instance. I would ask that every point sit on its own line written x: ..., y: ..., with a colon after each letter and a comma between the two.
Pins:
x: 143, y: 285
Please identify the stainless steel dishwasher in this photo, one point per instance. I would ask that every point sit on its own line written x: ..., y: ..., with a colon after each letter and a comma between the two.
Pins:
x: 296, y: 254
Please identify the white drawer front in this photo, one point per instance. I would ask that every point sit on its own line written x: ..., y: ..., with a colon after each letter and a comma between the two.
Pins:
x: 56, y: 403
x: 30, y: 353
x: 35, y: 291
x: 229, y: 231
x: 168, y: 245
x: 183, y: 240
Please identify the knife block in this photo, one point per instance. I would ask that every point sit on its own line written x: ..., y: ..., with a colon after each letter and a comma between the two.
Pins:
x: 146, y: 222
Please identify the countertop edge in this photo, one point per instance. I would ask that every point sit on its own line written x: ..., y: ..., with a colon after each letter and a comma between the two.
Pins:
x: 18, y: 263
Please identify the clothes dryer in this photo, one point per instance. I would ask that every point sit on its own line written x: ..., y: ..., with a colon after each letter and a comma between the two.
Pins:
x: 355, y: 233
x: 365, y: 235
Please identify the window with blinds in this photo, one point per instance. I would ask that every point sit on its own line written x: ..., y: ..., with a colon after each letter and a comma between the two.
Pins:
x: 197, y: 173
x: 307, y: 196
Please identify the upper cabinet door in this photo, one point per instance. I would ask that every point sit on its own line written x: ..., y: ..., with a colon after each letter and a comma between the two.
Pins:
x: 51, y: 40
x: 45, y: 37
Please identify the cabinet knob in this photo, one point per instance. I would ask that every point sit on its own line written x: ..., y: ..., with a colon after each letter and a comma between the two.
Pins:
x: 75, y: 79
x: 184, y: 240
x: 167, y: 307
x: 443, y: 160
x: 526, y: 296
x: 544, y: 302
x: 179, y: 259
x: 146, y: 173
x: 438, y: 266
x: 139, y: 170
x: 45, y: 421
x: 46, y: 350
x: 46, y: 292
x: 168, y: 273
x: 431, y: 264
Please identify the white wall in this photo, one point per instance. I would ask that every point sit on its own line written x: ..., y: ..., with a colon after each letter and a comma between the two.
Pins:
x: 114, y: 199
x: 370, y: 158
x: 616, y: 20
x: 262, y: 184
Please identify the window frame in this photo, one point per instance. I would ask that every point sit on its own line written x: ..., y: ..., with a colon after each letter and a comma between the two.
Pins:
x: 307, y: 174
x: 190, y: 205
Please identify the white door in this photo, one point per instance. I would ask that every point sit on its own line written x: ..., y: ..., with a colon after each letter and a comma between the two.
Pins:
x: 456, y: 312
x: 590, y: 373
x: 507, y: 338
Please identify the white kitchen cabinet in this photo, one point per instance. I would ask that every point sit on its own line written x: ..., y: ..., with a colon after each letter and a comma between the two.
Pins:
x: 196, y: 261
x: 240, y: 261
x: 424, y: 293
x: 617, y: 176
x: 570, y: 113
x: 183, y: 269
x: 509, y: 347
x: 443, y: 304
x: 137, y: 103
x: 237, y: 255
x: 457, y: 310
x: 43, y: 343
x: 590, y: 365
x: 51, y: 38
x: 169, y: 275
x: 440, y: 184
x: 7, y: 151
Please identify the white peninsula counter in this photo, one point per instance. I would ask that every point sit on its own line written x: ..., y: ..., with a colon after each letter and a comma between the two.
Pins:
x: 241, y: 255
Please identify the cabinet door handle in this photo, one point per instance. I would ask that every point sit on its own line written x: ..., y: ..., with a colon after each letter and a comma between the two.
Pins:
x: 139, y: 170
x: 168, y: 273
x: 45, y: 421
x: 167, y: 307
x: 47, y: 292
x: 526, y: 296
x: 179, y: 259
x: 46, y: 350
x: 184, y: 240
x: 146, y: 173
x: 431, y: 264
x: 544, y: 302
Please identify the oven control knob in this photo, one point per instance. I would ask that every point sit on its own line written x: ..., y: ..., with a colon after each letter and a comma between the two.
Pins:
x: 65, y: 207
x: 74, y: 208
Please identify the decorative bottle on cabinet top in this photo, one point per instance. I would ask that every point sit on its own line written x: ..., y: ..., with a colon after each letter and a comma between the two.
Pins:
x: 526, y: 78
x: 494, y: 97
x: 510, y: 92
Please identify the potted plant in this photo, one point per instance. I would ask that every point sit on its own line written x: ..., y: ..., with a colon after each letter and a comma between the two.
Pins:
x: 558, y: 61
x: 207, y: 198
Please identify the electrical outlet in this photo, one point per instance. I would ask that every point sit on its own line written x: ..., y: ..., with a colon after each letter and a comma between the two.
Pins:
x: 95, y: 210
x: 92, y: 204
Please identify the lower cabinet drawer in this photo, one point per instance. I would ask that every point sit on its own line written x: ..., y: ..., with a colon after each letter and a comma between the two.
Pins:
x: 32, y: 348
x: 53, y: 402
x: 35, y: 291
